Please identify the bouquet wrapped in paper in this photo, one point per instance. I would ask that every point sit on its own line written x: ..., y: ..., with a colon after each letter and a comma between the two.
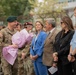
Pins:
x: 19, y: 39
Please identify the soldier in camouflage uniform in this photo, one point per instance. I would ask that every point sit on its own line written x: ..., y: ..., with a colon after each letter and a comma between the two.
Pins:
x: 28, y: 65
x: 5, y: 40
x: 0, y: 56
x: 21, y: 71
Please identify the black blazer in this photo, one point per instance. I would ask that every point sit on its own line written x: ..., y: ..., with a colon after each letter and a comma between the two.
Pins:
x: 62, y: 45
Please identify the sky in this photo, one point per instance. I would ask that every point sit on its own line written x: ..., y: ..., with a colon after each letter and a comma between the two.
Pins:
x: 40, y: 0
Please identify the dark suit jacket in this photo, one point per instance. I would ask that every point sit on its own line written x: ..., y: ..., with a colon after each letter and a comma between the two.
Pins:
x: 48, y: 48
x: 62, y: 45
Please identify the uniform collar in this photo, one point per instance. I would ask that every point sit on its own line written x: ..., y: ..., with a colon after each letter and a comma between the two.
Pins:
x: 9, y: 31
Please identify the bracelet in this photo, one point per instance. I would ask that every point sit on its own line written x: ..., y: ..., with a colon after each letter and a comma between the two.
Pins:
x: 71, y: 54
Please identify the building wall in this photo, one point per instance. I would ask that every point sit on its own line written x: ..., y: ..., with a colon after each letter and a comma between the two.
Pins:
x: 70, y: 6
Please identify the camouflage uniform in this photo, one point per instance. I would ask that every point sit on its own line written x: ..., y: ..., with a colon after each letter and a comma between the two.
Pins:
x: 0, y: 57
x: 25, y: 66
x: 28, y: 65
x: 5, y: 40
x: 20, y: 63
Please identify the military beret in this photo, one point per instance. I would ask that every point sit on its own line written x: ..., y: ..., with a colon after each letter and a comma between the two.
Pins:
x: 11, y: 18
x: 28, y: 23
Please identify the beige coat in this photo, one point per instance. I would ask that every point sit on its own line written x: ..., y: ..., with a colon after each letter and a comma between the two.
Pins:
x: 48, y: 48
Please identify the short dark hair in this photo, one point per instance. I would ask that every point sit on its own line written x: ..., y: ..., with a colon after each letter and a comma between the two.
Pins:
x: 52, y: 22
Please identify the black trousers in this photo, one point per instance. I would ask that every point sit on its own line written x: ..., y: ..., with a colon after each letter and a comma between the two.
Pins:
x: 74, y: 67
x: 56, y: 73
x: 65, y: 69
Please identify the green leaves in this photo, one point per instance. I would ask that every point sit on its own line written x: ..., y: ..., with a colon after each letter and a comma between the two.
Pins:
x: 47, y: 8
x: 15, y: 7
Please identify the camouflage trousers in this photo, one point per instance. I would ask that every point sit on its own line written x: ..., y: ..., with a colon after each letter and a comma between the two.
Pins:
x: 0, y: 61
x: 28, y: 66
x: 7, y: 68
x: 25, y: 66
x: 20, y: 64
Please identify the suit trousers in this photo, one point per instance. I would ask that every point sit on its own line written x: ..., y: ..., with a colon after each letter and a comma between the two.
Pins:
x: 74, y: 67
x: 64, y: 69
x: 39, y: 68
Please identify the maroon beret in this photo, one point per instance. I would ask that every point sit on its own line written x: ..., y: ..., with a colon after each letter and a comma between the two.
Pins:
x: 28, y: 23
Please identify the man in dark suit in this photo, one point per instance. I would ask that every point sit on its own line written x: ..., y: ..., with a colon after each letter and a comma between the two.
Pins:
x: 48, y: 45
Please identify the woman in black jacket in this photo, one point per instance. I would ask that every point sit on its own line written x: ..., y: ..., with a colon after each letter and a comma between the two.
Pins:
x: 62, y: 47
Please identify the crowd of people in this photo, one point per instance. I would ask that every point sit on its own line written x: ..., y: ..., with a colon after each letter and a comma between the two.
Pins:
x: 27, y: 52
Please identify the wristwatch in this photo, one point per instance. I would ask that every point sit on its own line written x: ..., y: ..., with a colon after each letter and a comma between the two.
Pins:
x: 71, y: 54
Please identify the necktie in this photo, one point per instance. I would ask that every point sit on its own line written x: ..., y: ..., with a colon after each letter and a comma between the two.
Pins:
x: 49, y: 33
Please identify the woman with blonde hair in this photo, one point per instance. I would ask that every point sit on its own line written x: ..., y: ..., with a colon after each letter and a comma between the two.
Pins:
x: 36, y: 50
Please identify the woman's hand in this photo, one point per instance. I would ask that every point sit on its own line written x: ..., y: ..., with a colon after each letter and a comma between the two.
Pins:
x: 71, y: 58
x: 55, y: 58
x: 33, y: 57
x: 55, y: 54
x: 54, y: 65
